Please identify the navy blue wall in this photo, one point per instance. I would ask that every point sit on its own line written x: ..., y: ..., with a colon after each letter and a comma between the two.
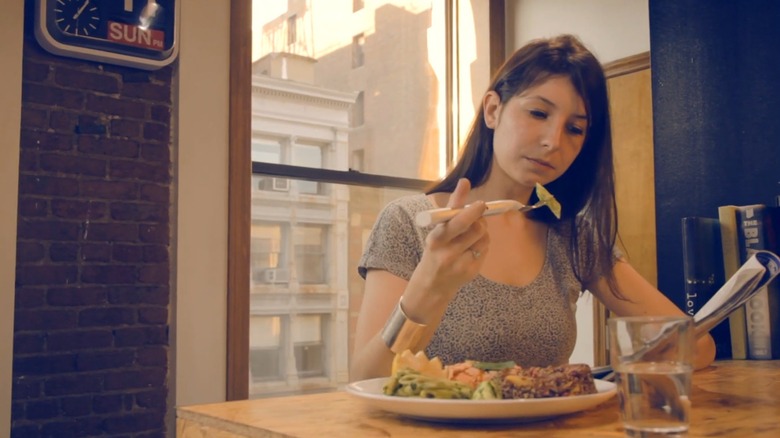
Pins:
x: 716, y: 114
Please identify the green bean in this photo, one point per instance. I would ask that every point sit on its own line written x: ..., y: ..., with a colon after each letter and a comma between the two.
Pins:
x: 410, y: 383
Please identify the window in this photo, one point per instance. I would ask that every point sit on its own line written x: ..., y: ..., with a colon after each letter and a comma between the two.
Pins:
x: 358, y: 111
x: 293, y: 151
x: 356, y: 160
x: 309, y: 348
x: 277, y: 249
x: 311, y: 253
x: 357, y: 50
x: 265, y: 348
x: 308, y: 155
x: 292, y: 31
x: 267, y: 259
x: 275, y: 364
x: 317, y: 182
x: 267, y: 150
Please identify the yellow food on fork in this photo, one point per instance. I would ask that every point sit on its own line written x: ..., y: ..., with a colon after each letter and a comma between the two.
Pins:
x: 549, y: 200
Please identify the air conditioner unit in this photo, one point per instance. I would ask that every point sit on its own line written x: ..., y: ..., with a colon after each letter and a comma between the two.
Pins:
x: 276, y: 275
x: 280, y: 184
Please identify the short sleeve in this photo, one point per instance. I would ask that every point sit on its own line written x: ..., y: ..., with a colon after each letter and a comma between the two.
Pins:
x: 395, y: 243
x: 589, y: 246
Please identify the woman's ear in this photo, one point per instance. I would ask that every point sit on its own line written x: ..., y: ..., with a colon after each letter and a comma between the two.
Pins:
x: 491, y: 104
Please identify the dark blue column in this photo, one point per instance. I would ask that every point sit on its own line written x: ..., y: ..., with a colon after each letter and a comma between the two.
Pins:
x: 716, y: 114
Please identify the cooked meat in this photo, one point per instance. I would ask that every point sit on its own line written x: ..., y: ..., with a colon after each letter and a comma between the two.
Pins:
x: 553, y: 381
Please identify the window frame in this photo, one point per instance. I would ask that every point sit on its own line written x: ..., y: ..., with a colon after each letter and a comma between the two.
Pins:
x: 240, y: 181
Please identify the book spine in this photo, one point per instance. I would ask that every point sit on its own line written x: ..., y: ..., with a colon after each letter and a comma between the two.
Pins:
x: 750, y: 225
x: 772, y: 243
x: 703, y: 272
x: 758, y: 326
x: 730, y: 247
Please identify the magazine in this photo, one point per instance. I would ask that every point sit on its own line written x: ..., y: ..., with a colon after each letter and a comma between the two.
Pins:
x: 754, y: 275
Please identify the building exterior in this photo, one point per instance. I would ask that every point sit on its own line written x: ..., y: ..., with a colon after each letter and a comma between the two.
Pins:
x: 299, y: 297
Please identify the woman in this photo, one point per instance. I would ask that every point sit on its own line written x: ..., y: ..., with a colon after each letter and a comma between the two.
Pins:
x: 505, y: 287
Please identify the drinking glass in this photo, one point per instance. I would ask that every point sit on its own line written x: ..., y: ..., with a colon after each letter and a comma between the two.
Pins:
x: 652, y: 358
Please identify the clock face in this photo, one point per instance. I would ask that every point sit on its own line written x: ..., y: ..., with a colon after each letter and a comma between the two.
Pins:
x: 78, y: 17
x: 137, y: 33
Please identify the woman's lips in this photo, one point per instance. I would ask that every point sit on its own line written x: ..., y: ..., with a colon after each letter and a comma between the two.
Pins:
x: 541, y: 162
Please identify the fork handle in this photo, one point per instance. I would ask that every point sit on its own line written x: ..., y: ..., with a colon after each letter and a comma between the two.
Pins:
x: 439, y: 215
x: 435, y: 216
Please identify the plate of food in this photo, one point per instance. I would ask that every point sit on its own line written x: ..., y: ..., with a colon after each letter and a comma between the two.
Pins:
x: 474, y: 391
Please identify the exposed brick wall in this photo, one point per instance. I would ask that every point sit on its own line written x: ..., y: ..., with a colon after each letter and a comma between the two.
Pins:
x: 91, y: 348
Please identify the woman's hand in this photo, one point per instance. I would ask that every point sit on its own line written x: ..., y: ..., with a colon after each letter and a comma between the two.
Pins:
x: 455, y: 250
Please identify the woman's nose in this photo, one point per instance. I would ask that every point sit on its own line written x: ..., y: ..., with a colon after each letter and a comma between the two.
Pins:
x: 553, y: 136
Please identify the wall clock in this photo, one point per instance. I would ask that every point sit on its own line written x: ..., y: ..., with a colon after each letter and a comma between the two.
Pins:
x: 133, y: 33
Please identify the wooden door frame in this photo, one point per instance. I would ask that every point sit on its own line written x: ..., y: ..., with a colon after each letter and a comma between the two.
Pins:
x: 239, y: 200
x: 623, y: 66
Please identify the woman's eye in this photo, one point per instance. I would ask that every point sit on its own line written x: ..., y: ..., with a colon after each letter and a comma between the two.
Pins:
x: 576, y: 130
x: 539, y: 114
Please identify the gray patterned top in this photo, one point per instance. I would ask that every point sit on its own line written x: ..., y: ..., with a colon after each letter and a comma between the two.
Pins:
x: 533, y: 325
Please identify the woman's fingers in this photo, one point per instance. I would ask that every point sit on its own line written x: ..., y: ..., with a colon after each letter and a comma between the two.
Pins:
x: 460, y: 235
x: 455, y: 245
x: 463, y: 221
x: 459, y: 195
x: 461, y: 231
x: 480, y: 241
x: 475, y: 240
x: 460, y: 223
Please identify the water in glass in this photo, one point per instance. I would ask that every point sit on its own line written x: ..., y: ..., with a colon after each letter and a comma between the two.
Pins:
x: 654, y: 398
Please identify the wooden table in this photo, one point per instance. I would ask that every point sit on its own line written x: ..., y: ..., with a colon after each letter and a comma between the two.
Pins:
x: 730, y: 399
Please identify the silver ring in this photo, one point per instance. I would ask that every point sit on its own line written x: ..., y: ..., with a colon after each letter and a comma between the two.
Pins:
x: 475, y: 253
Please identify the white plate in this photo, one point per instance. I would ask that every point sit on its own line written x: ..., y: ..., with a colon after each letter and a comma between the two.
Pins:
x: 516, y: 410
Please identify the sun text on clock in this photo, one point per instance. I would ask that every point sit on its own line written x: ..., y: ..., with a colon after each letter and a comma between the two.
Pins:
x: 135, y: 36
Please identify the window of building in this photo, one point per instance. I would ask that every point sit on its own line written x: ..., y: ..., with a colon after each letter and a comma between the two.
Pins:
x: 308, y: 345
x: 358, y: 111
x: 276, y: 363
x: 311, y: 253
x: 265, y: 348
x: 308, y: 155
x: 268, y: 257
x: 292, y: 30
x: 293, y: 151
x: 356, y: 160
x: 268, y: 150
x: 278, y: 248
x: 358, y: 41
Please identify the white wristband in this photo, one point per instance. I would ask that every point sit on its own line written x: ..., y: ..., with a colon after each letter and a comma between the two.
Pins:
x: 401, y: 333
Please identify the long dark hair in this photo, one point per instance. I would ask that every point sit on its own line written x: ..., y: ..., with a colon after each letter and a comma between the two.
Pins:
x: 586, y: 190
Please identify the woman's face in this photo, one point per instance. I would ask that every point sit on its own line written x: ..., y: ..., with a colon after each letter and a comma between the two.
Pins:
x: 538, y: 133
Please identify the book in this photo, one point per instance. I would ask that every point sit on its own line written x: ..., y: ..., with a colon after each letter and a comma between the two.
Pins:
x: 757, y: 229
x: 703, y: 273
x: 727, y: 217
